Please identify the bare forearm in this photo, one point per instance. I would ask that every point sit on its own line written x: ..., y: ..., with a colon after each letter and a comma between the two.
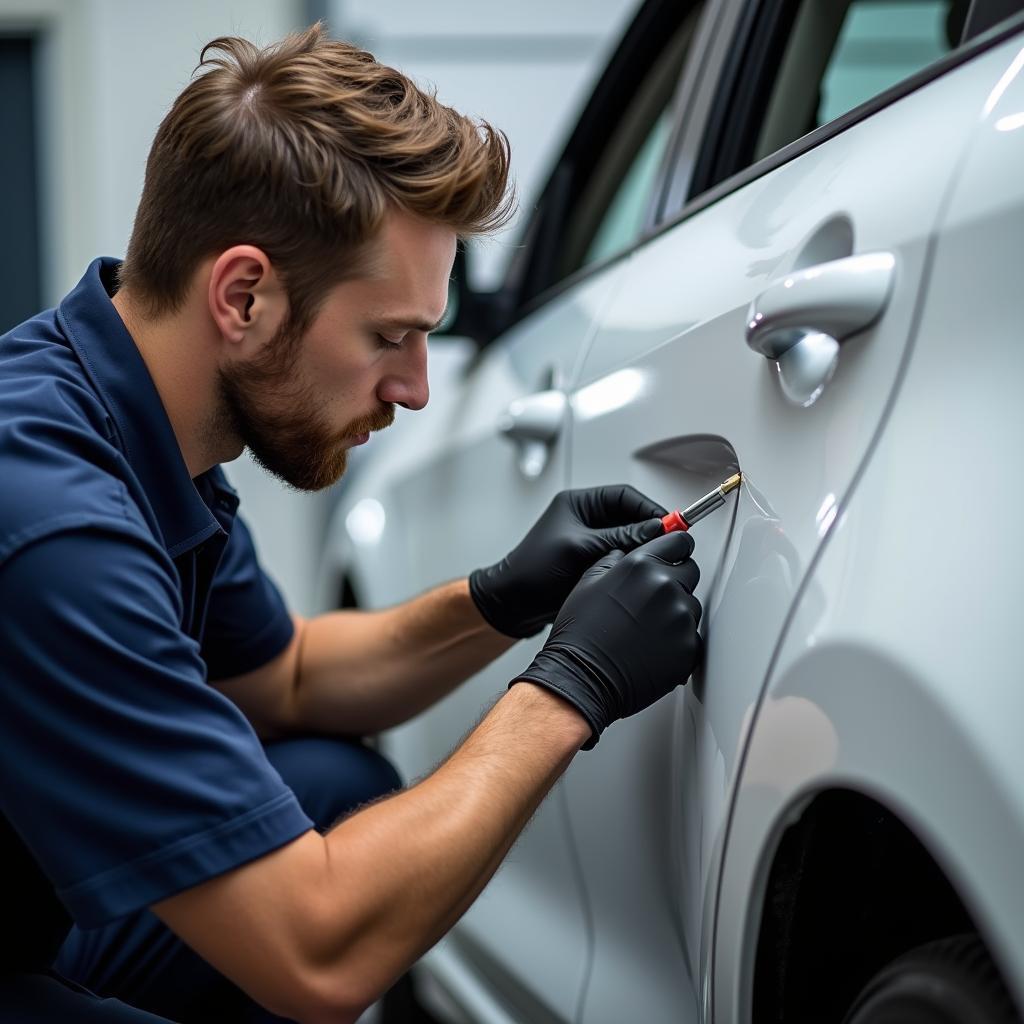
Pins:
x: 360, y: 672
x: 419, y: 859
x: 317, y: 929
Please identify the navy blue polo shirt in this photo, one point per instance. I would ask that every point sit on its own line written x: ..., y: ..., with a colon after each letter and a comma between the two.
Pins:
x: 125, y: 587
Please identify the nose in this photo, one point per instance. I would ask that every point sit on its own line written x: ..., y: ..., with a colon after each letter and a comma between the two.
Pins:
x: 405, y: 382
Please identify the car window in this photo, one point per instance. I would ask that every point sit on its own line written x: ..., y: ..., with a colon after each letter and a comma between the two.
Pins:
x: 603, y: 190
x: 610, y: 213
x: 623, y: 221
x: 841, y: 54
x: 802, y: 64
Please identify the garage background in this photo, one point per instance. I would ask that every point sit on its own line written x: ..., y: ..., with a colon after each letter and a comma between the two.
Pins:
x: 84, y: 84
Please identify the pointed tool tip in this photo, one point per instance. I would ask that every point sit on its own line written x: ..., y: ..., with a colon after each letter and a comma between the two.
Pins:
x: 732, y: 483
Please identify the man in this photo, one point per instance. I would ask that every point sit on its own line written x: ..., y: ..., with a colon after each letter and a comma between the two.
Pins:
x: 290, y: 255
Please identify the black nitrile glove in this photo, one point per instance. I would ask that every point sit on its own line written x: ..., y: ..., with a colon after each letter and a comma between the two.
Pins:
x: 522, y: 593
x: 626, y: 636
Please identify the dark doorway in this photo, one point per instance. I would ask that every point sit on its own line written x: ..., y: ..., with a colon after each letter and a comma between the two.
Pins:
x: 20, y: 291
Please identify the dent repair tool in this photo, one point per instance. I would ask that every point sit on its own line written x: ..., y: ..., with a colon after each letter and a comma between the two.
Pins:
x: 702, y: 506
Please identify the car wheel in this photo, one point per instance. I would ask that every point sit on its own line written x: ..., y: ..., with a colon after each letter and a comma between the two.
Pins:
x: 952, y: 981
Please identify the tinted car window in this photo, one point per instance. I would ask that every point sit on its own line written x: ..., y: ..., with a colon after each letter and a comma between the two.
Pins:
x: 801, y: 64
x: 624, y: 219
x: 841, y: 54
x: 600, y: 197
x: 611, y: 212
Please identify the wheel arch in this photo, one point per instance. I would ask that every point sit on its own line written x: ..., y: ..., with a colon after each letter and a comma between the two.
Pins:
x: 860, y: 777
x: 850, y: 888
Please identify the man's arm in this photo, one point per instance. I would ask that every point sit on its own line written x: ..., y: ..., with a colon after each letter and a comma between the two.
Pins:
x: 318, y: 929
x: 359, y: 672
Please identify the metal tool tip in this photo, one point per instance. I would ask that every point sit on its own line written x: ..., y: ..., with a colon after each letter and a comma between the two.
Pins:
x: 732, y: 483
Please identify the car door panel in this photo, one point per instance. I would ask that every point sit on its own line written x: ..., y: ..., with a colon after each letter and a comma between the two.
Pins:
x: 649, y: 806
x: 892, y: 634
x: 525, y: 939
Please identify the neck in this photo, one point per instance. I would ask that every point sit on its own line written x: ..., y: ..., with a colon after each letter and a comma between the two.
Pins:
x: 178, y: 352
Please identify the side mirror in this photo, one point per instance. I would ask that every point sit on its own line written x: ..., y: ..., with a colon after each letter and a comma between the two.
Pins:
x: 480, y: 316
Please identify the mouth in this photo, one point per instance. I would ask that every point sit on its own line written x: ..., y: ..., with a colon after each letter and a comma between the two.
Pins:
x: 359, y: 439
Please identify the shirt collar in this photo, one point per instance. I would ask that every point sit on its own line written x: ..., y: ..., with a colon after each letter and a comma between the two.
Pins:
x: 187, y: 511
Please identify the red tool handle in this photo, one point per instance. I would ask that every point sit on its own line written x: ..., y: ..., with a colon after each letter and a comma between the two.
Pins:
x: 674, y: 521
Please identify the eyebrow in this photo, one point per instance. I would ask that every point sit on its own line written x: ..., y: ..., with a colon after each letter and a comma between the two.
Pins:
x: 406, y: 323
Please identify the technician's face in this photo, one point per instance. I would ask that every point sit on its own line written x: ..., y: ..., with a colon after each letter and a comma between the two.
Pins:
x: 302, y: 403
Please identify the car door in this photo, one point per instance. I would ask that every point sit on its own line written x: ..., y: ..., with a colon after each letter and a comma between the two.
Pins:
x: 762, y: 330
x: 521, y: 951
x: 468, y: 500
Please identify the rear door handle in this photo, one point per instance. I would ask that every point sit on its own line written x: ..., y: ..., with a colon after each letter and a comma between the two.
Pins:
x: 798, y: 322
x: 533, y: 424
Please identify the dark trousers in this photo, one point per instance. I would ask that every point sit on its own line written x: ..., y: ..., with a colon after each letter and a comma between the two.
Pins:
x: 136, y: 970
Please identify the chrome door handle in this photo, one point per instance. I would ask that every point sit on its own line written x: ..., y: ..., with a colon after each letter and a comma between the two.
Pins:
x: 533, y: 424
x: 798, y: 322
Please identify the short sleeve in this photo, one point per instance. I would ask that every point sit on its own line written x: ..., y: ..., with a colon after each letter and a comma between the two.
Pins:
x: 247, y: 623
x: 128, y: 777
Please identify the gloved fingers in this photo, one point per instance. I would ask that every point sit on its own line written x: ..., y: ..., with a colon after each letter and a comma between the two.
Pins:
x: 615, y: 505
x: 670, y: 548
x: 687, y: 575
x: 699, y: 653
x: 692, y: 606
x: 632, y: 536
x: 602, y: 565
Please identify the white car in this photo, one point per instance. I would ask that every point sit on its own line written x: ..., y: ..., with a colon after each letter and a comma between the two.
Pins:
x: 785, y: 238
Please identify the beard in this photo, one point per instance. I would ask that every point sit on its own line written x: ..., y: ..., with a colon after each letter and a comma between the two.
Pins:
x: 280, y: 417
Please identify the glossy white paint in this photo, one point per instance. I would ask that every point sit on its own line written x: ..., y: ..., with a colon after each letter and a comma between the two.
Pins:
x: 680, y: 320
x: 453, y: 496
x: 899, y: 675
x: 617, y: 879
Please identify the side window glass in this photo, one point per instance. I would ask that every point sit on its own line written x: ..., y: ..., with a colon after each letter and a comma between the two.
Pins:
x: 840, y: 54
x: 609, y: 215
x: 623, y: 221
x: 879, y: 45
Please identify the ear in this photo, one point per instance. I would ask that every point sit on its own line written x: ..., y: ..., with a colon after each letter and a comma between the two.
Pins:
x: 247, y: 300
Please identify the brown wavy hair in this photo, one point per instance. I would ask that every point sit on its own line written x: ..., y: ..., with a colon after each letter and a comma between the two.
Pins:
x: 301, y: 148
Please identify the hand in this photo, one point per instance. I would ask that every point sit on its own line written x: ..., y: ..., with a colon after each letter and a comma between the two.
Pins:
x: 522, y: 593
x: 627, y: 635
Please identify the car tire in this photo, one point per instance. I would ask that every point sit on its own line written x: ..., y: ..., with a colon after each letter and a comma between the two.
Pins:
x: 951, y: 981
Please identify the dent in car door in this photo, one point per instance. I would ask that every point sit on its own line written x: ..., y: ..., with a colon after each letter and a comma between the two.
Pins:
x: 525, y: 940
x: 672, y: 399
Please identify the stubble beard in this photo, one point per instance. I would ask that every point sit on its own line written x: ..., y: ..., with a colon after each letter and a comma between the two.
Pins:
x: 279, y: 418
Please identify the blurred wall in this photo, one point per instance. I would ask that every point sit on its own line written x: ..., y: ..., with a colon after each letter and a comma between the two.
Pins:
x: 526, y: 66
x: 107, y: 70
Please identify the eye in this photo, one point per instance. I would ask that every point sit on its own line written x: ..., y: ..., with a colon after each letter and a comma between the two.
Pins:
x: 387, y: 343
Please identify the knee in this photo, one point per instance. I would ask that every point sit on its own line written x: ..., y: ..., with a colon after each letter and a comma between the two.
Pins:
x: 376, y: 775
x: 332, y: 777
